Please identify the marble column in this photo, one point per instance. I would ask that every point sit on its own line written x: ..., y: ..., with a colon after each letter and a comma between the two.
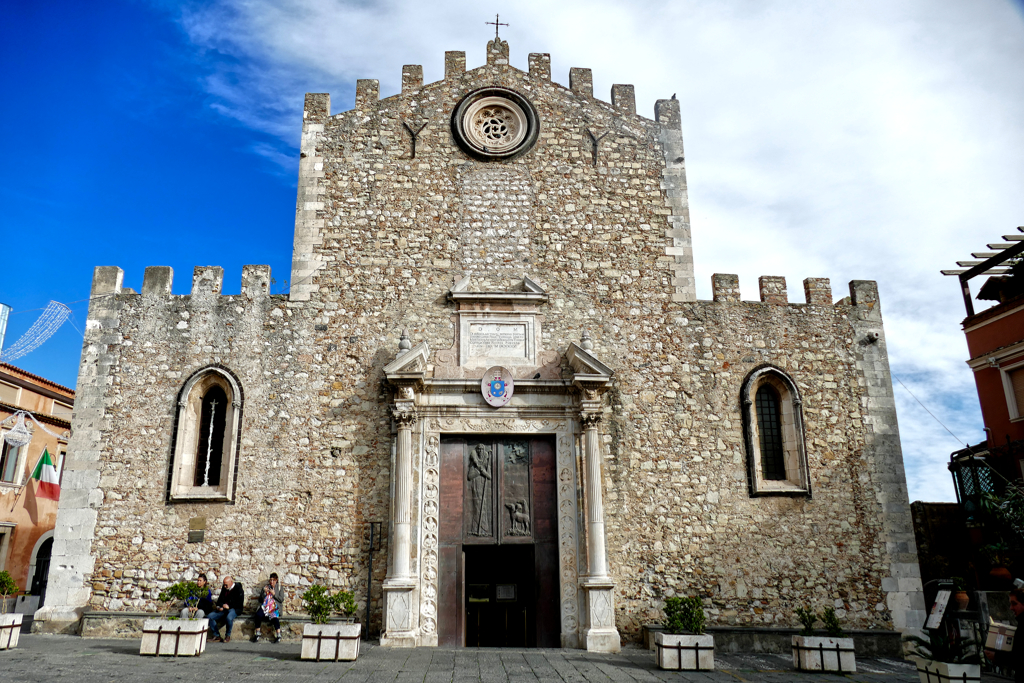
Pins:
x: 601, y: 633
x: 400, y: 585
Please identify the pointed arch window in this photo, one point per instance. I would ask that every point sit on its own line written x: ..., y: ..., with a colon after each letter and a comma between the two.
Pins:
x: 206, y: 438
x: 774, y: 434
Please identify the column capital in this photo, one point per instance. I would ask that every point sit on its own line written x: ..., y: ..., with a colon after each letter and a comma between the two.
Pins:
x: 404, y: 414
x: 590, y: 418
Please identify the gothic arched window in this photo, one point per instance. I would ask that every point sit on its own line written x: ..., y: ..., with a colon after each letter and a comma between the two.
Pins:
x: 774, y: 434
x: 769, y: 431
x: 206, y: 437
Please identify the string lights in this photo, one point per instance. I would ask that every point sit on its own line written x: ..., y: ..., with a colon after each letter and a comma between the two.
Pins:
x: 42, y: 329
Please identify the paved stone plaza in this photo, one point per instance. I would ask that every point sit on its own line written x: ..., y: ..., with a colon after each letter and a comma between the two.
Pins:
x: 87, y: 660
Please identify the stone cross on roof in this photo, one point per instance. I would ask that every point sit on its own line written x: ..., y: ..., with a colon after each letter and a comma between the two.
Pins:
x: 496, y: 24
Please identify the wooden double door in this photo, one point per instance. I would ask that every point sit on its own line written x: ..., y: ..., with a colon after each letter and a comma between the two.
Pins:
x: 498, y: 543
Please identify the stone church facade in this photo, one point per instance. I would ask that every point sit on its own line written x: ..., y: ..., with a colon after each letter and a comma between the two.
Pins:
x: 492, y: 346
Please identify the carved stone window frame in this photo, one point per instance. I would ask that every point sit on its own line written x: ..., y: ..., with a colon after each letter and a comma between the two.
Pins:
x: 180, y: 487
x: 797, y: 481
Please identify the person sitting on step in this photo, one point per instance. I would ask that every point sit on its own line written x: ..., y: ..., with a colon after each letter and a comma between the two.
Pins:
x: 229, y: 606
x: 270, y: 608
x: 205, y: 604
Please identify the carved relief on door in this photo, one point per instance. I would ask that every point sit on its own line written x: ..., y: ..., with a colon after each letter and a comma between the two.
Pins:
x: 498, y: 493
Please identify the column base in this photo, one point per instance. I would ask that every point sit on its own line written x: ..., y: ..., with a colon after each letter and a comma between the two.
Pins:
x: 599, y: 640
x: 400, y: 628
x: 601, y: 634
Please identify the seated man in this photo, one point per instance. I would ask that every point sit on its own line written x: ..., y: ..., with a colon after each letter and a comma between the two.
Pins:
x: 229, y: 605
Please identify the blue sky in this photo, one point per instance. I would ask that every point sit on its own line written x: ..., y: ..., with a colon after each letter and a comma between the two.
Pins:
x: 854, y: 139
x: 113, y: 155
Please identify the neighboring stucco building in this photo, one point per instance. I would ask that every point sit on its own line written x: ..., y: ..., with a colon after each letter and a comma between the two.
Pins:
x: 995, y: 342
x: 565, y: 435
x: 27, y: 519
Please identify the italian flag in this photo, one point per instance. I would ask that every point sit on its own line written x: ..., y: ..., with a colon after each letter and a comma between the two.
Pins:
x: 46, y: 474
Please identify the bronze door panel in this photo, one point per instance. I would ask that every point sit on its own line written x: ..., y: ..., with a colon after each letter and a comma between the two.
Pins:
x: 451, y: 616
x: 515, y: 504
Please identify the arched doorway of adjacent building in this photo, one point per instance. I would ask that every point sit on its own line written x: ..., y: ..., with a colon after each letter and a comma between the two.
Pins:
x: 40, y: 569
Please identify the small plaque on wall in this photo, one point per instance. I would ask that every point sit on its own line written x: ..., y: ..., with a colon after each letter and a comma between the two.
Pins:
x: 506, y: 592
x: 196, y: 536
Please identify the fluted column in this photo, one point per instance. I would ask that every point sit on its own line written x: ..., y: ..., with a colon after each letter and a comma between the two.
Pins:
x: 400, y: 608
x: 405, y: 418
x: 597, y: 564
x: 601, y: 633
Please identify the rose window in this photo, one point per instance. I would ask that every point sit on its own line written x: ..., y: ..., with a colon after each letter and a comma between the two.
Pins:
x: 495, y: 123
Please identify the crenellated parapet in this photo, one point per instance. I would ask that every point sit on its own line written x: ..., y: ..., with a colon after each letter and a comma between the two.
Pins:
x: 207, y: 283
x: 622, y: 97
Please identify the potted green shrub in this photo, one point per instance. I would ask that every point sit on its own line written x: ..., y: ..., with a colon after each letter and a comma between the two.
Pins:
x: 10, y: 624
x: 960, y: 597
x: 322, y: 640
x: 831, y: 652
x: 172, y: 636
x: 941, y: 658
x: 683, y: 645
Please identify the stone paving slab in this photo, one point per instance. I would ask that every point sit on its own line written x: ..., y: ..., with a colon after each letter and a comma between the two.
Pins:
x: 85, y: 660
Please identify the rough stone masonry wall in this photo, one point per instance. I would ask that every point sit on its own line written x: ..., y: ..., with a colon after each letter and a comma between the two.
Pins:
x: 295, y: 512
x: 679, y: 514
x: 608, y: 188
x: 602, y: 225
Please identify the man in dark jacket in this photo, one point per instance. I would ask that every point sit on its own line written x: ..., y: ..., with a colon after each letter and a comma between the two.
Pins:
x: 229, y: 605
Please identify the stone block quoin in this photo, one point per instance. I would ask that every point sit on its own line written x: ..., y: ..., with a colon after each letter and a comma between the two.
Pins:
x: 412, y: 78
x: 624, y: 98
x: 773, y: 289
x: 107, y: 280
x: 666, y: 112
x: 864, y: 292
x: 540, y: 65
x: 316, y: 108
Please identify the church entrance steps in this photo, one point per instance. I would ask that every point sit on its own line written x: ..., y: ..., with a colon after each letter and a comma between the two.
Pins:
x: 130, y: 625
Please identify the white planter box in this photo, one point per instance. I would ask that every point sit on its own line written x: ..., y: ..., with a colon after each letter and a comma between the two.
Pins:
x: 685, y: 652
x: 10, y: 630
x: 816, y: 653
x: 331, y: 642
x: 174, y: 637
x: 929, y: 671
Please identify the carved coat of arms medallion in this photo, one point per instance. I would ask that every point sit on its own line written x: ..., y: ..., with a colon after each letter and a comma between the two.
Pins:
x: 497, y: 386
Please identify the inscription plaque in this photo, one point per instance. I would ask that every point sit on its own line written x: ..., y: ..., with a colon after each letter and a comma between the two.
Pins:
x: 497, y: 340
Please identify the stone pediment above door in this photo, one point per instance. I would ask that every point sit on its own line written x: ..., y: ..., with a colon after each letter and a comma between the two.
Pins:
x: 497, y: 328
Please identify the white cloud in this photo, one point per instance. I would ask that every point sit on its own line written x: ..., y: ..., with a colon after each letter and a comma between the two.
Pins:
x: 851, y: 140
